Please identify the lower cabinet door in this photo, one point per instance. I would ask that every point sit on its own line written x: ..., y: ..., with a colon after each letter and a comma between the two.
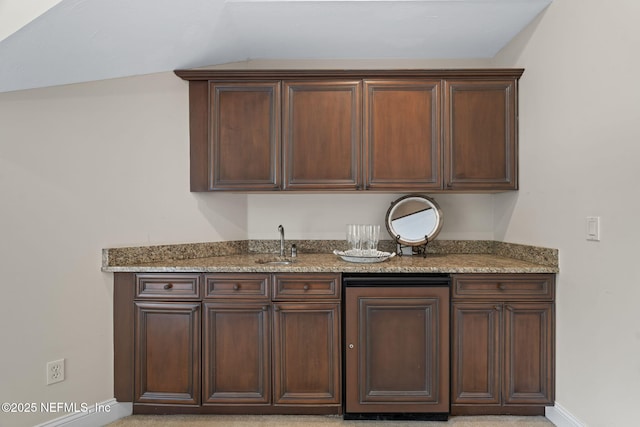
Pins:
x: 476, y: 349
x: 397, y: 349
x: 502, y: 353
x: 306, y: 340
x: 236, y: 362
x: 167, y: 353
x: 529, y: 353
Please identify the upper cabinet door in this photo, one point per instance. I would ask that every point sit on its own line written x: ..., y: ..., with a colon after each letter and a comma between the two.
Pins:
x: 321, y: 134
x: 480, y: 135
x: 402, y: 135
x: 244, y: 134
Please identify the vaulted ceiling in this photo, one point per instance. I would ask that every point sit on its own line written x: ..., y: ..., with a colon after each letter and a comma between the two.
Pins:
x: 84, y: 40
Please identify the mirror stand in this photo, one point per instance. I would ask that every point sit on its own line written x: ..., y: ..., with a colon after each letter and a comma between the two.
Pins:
x: 415, y: 249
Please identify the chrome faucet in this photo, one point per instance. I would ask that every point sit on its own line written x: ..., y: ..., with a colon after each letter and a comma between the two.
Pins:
x: 281, y: 230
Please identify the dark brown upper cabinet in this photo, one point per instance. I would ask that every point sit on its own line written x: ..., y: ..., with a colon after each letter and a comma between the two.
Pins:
x: 402, y: 135
x: 480, y: 135
x: 235, y: 135
x: 321, y: 134
x: 378, y: 130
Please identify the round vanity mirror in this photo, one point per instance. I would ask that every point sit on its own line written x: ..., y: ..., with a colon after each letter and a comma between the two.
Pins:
x: 414, y: 220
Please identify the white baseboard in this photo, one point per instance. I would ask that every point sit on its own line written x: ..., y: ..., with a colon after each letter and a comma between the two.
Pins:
x: 113, y: 411
x: 110, y: 411
x: 561, y: 417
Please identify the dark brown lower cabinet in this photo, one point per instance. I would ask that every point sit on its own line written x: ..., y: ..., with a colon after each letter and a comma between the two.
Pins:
x: 167, y: 353
x: 397, y: 355
x: 252, y: 343
x: 306, y: 352
x: 528, y: 355
x: 237, y: 353
x: 238, y: 339
x: 476, y: 374
x: 502, y: 344
x: 272, y: 343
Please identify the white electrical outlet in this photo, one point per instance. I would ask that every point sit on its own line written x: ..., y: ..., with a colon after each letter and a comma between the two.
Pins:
x: 55, y: 371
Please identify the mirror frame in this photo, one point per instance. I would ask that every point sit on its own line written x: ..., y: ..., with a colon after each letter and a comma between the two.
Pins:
x: 428, y: 237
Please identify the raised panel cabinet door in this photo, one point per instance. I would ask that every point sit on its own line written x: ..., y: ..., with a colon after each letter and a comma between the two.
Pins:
x: 167, y: 353
x: 397, y: 349
x: 480, y: 135
x: 321, y: 134
x: 244, y: 151
x: 476, y: 349
x: 306, y: 352
x: 402, y: 135
x: 236, y: 355
x: 529, y: 353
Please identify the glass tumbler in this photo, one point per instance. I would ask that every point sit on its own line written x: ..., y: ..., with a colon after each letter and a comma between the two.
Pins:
x: 353, y: 239
x: 362, y: 239
x: 372, y: 234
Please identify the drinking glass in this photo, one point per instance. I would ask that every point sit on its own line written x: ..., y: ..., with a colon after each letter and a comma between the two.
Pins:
x: 362, y: 238
x: 371, y: 243
x: 353, y: 238
x: 375, y: 238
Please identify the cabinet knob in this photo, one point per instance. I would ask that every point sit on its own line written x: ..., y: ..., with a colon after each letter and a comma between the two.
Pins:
x: 168, y: 286
x: 305, y: 287
x: 498, y: 307
x: 351, y: 346
x: 236, y: 287
x: 265, y: 307
x: 501, y: 286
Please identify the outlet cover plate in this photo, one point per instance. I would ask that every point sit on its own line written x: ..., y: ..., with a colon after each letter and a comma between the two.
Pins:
x: 55, y: 371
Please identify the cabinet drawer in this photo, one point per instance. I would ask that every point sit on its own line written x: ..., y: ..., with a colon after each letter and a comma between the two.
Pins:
x: 306, y: 286
x: 254, y: 286
x: 168, y: 286
x: 504, y: 286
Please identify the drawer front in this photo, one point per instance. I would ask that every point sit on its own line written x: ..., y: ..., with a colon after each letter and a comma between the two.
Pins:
x: 306, y: 286
x: 504, y: 286
x: 168, y: 286
x: 229, y: 285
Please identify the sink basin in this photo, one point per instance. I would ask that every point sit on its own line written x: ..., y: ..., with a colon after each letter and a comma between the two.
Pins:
x: 275, y: 261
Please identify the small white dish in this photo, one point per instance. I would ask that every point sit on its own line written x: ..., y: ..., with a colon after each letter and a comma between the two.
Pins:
x: 351, y: 256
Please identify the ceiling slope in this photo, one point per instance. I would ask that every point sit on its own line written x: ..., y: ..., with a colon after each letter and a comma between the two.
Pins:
x: 85, y: 40
x: 15, y: 14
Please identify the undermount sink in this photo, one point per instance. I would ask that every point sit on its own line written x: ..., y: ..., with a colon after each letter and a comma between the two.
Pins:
x: 275, y: 261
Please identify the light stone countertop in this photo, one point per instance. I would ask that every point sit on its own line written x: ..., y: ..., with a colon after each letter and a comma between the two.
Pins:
x: 319, y: 263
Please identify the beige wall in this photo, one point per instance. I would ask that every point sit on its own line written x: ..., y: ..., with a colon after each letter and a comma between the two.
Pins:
x: 325, y: 216
x: 84, y: 167
x: 579, y: 153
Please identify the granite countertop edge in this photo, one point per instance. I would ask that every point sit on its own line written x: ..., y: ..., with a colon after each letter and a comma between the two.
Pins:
x: 316, y: 257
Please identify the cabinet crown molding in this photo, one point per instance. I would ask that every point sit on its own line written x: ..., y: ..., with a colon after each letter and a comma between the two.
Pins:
x: 458, y: 73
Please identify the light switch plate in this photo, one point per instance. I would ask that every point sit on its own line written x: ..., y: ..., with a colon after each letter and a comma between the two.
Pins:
x: 593, y: 228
